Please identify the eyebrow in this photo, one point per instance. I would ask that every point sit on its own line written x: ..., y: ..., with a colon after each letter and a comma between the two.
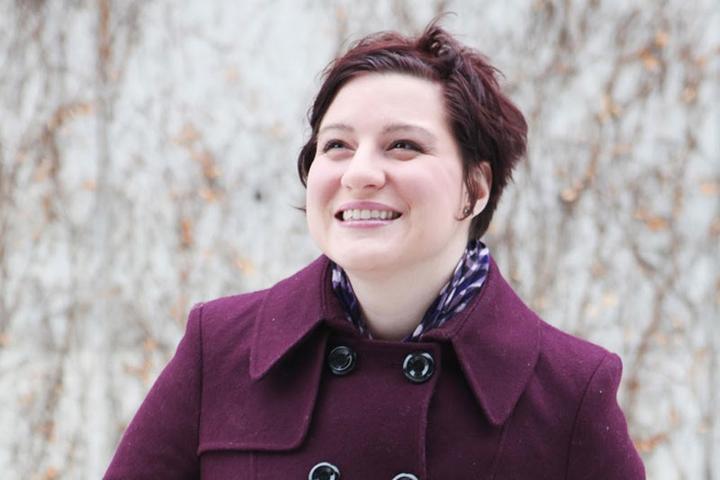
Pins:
x: 390, y: 128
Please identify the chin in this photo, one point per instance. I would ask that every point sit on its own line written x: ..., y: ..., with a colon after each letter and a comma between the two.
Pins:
x: 363, y: 261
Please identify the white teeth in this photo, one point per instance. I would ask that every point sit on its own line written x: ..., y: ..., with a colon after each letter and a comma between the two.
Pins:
x: 357, y: 214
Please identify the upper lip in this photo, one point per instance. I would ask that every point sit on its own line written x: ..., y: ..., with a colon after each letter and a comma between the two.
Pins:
x: 365, y: 205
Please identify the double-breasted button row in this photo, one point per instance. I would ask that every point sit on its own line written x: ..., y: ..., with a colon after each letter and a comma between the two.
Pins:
x: 418, y: 367
x: 328, y: 471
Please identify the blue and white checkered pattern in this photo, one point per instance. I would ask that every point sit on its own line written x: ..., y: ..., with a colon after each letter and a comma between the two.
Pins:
x: 468, y: 276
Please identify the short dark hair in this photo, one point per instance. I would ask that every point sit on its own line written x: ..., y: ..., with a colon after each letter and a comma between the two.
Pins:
x: 486, y: 125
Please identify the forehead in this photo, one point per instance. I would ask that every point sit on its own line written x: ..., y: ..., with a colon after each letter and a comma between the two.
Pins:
x: 388, y: 98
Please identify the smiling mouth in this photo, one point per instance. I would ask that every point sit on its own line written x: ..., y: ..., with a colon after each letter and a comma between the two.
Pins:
x: 361, y: 214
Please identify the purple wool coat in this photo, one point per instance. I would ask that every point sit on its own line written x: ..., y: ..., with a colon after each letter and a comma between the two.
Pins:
x: 249, y: 395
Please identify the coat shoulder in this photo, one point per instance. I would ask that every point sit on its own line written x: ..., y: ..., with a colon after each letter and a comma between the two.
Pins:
x: 230, y: 308
x: 568, y: 361
x: 562, y: 345
x: 229, y: 320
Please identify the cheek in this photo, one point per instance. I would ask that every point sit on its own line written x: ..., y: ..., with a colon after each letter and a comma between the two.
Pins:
x: 440, y: 189
x: 320, y: 187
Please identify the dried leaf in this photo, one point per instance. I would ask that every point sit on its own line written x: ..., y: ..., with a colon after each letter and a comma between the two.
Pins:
x: 715, y: 228
x: 207, y: 161
x: 187, y: 135
x: 662, y: 38
x: 655, y: 223
x: 647, y: 445
x: 186, y: 237
x: 150, y: 345
x: 66, y: 113
x: 689, y: 94
x: 609, y: 109
x: 43, y: 169
x: 51, y: 473
x: 569, y: 194
x: 620, y: 149
x: 710, y: 188
x: 47, y: 430
x: 245, y: 265
x: 649, y: 60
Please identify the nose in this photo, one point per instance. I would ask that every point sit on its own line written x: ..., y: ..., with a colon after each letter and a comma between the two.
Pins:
x: 364, y: 171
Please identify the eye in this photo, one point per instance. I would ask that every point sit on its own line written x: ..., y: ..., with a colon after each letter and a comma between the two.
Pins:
x: 333, y: 145
x: 406, y: 145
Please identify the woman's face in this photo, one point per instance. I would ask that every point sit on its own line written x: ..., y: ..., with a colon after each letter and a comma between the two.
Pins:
x: 385, y: 190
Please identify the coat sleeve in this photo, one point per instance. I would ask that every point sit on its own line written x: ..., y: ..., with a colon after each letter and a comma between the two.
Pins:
x: 600, y: 447
x: 162, y: 439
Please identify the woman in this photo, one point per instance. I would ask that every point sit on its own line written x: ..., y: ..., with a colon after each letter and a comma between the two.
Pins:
x: 401, y: 353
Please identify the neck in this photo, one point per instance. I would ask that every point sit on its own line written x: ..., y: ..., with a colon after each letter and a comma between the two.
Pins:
x: 393, y: 303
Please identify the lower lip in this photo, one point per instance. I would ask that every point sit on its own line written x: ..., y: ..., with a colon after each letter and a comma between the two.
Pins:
x: 365, y: 223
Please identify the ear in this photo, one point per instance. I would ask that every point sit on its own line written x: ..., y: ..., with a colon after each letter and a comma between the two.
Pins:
x: 481, y: 177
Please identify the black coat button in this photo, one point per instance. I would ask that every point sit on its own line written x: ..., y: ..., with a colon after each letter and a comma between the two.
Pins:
x: 418, y: 366
x: 324, y: 471
x: 405, y: 476
x: 341, y: 360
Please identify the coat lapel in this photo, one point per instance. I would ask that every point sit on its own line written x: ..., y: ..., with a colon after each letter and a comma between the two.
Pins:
x: 497, y: 342
x: 273, y: 387
x: 292, y: 309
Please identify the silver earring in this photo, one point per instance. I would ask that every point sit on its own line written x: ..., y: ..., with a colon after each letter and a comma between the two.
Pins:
x: 467, y: 210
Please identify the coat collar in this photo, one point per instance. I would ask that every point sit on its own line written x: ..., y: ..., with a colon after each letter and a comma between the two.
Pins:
x: 291, y: 310
x: 496, y: 338
x: 497, y: 342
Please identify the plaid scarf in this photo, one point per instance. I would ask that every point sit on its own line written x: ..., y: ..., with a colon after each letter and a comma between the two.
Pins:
x: 468, y: 276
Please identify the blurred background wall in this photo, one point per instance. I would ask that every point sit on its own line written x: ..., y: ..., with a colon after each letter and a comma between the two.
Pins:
x: 147, y: 162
